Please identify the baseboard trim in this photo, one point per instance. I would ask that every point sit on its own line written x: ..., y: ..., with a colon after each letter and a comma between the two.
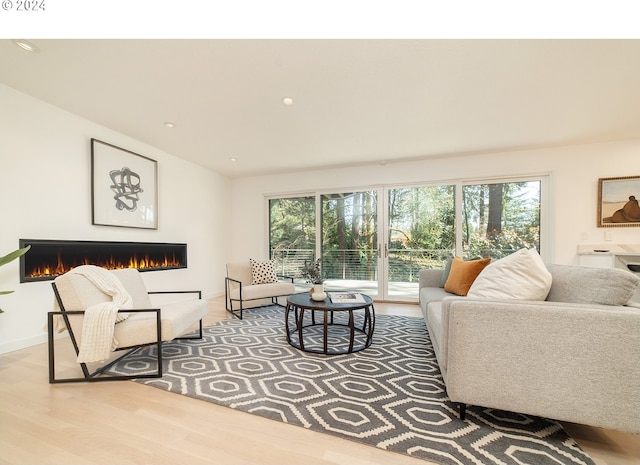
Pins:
x: 22, y: 343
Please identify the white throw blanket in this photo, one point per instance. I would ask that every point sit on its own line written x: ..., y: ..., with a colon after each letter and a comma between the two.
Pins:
x: 98, y: 326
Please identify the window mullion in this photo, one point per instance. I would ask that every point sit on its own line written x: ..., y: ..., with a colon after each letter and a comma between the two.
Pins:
x: 458, y: 221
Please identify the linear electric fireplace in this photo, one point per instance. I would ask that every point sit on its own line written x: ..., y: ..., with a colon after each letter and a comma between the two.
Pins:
x: 49, y: 258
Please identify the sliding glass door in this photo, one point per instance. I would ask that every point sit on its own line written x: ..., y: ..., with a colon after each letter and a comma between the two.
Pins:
x: 376, y: 240
x: 419, y: 233
x: 379, y: 247
x: 349, y: 244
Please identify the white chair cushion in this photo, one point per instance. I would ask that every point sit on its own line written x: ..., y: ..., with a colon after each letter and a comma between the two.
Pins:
x: 176, y: 317
x: 133, y: 283
x: 78, y: 293
x: 260, y: 291
x: 240, y: 271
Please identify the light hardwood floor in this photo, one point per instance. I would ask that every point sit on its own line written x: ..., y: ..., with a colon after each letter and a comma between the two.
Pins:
x: 125, y: 422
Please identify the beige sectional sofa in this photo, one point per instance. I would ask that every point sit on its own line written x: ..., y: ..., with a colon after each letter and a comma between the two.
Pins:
x: 573, y: 357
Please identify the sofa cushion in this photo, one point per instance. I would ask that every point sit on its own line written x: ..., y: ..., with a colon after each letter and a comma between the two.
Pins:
x: 263, y: 272
x: 434, y: 323
x: 521, y: 275
x: 433, y: 294
x: 581, y: 284
x: 463, y: 273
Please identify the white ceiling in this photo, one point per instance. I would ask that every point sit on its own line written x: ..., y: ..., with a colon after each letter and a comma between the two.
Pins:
x: 355, y: 101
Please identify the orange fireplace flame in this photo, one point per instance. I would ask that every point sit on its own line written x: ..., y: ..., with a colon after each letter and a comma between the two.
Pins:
x: 110, y: 263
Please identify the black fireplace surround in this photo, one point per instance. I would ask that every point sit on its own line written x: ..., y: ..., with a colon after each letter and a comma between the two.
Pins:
x: 50, y: 258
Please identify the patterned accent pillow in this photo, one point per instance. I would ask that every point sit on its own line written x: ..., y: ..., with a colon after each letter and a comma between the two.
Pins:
x: 263, y: 272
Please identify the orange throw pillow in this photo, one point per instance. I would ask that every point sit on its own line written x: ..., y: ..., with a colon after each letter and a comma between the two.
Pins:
x: 463, y: 273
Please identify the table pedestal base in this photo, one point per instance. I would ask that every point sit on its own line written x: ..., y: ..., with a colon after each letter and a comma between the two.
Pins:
x: 330, y: 330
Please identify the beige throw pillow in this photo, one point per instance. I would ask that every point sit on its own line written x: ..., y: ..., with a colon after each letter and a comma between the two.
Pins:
x: 521, y: 275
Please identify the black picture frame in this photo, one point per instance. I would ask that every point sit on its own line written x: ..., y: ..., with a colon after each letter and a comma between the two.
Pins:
x: 124, y: 187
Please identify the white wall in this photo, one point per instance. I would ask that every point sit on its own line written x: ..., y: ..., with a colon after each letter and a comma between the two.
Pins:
x: 574, y: 190
x: 45, y: 193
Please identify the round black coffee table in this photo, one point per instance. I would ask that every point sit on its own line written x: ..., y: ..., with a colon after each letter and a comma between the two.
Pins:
x: 340, y: 328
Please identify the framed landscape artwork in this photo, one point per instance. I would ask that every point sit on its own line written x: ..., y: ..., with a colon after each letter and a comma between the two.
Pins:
x: 618, y: 201
x: 124, y: 187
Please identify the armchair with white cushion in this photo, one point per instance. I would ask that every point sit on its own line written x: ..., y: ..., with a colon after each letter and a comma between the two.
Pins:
x: 107, y: 311
x: 252, y: 283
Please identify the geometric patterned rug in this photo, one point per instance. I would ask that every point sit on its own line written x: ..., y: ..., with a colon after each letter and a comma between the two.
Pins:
x: 390, y: 395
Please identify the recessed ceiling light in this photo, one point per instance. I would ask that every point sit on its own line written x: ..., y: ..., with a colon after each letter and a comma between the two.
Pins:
x: 287, y: 101
x: 234, y: 159
x: 26, y: 45
x: 169, y: 124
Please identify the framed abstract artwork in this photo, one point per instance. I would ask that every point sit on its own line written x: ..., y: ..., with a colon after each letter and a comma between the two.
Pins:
x: 618, y: 201
x: 124, y: 187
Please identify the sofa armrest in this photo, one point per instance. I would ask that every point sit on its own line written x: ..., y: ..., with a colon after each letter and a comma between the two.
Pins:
x: 429, y: 277
x: 571, y: 362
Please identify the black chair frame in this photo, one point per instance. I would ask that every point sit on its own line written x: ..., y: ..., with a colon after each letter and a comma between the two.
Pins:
x: 95, y: 375
x: 238, y: 311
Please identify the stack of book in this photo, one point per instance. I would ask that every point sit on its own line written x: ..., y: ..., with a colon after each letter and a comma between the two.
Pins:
x: 346, y: 298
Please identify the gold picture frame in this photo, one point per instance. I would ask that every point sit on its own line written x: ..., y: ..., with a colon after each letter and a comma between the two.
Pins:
x: 618, y: 202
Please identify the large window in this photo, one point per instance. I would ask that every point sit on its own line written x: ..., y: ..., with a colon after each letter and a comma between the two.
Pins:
x: 376, y: 240
x: 501, y: 218
x: 292, y: 233
x: 350, y: 236
x: 421, y: 232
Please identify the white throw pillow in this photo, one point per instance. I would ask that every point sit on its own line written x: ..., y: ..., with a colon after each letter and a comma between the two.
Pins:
x: 521, y: 275
x: 263, y: 272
